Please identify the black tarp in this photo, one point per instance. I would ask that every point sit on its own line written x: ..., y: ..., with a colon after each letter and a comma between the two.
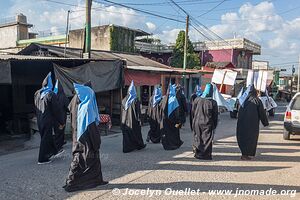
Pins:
x: 5, y: 72
x: 104, y: 75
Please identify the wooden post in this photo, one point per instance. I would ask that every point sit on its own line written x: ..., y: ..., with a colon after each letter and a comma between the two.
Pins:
x: 221, y: 87
x: 163, y: 83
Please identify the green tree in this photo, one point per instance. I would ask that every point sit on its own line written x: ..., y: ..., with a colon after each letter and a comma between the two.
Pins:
x: 193, y: 60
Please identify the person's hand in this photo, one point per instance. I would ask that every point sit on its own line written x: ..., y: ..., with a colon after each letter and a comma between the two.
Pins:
x: 177, y: 125
x: 61, y: 127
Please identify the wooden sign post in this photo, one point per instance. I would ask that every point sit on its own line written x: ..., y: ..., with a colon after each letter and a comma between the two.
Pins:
x: 221, y: 87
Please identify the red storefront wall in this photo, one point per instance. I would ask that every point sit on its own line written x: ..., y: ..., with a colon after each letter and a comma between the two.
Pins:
x: 142, y: 78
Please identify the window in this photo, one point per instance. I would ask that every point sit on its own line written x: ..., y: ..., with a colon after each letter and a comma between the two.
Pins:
x: 296, y: 103
x: 281, y: 82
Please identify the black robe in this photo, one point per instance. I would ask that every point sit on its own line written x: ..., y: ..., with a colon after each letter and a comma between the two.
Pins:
x: 170, y: 133
x: 46, y: 113
x: 193, y: 97
x: 62, y: 103
x: 248, y: 124
x: 85, y: 170
x: 154, y: 120
x: 182, y: 105
x: 131, y: 127
x: 204, y: 120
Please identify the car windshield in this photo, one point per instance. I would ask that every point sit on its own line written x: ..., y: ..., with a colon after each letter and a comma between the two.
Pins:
x: 296, y: 103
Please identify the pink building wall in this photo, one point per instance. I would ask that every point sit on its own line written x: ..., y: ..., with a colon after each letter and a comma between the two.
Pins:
x: 239, y: 58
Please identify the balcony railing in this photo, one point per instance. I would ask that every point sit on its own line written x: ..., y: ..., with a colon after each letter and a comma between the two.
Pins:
x: 239, y: 43
x: 147, y: 47
x: 7, y: 20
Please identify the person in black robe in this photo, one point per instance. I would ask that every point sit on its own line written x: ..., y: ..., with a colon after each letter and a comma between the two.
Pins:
x: 47, y: 113
x: 131, y: 122
x: 250, y: 113
x: 62, y: 103
x: 182, y: 104
x: 204, y: 122
x: 197, y: 93
x: 170, y: 120
x: 154, y: 116
x: 85, y: 170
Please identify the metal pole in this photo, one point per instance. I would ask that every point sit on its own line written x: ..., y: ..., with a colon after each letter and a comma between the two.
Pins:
x: 67, y: 32
x: 292, y: 81
x: 88, y: 28
x: 185, y: 51
x: 186, y: 42
x: 298, y: 84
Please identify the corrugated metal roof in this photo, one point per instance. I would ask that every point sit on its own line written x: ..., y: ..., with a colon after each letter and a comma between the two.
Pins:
x: 25, y: 57
x: 133, y: 61
x: 149, y: 68
x: 218, y: 64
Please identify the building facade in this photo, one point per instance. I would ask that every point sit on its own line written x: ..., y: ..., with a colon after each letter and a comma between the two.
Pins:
x: 13, y: 30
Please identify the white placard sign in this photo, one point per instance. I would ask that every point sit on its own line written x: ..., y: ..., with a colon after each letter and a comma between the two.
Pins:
x: 258, y: 79
x: 229, y: 78
x: 255, y: 78
x: 262, y: 81
x: 250, y: 77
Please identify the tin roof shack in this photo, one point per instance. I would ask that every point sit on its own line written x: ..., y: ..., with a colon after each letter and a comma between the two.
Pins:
x: 145, y: 72
x: 21, y: 76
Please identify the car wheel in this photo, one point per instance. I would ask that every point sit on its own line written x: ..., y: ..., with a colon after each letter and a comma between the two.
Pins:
x: 286, y: 135
x: 272, y: 112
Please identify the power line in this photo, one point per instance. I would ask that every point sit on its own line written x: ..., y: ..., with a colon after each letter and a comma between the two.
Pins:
x: 103, y: 9
x: 212, y: 8
x: 205, y: 29
x: 143, y: 11
x: 195, y: 2
x: 179, y: 7
x: 261, y: 17
x: 203, y: 33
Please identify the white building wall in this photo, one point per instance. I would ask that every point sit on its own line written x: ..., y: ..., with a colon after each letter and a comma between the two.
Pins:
x: 8, y: 36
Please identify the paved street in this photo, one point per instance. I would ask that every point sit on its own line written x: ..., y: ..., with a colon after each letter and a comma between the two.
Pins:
x: 275, y: 168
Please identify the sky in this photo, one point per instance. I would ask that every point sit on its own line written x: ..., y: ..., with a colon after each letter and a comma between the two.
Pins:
x: 274, y: 24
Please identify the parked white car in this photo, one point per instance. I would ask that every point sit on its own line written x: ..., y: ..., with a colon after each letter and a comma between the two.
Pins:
x: 292, y: 118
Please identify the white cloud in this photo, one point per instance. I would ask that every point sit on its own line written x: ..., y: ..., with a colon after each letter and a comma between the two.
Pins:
x: 168, y: 36
x: 151, y: 26
x: 46, y: 15
x: 250, y: 20
x: 262, y: 24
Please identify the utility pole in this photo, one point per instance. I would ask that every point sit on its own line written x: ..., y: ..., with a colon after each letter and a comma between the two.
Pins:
x: 293, y: 71
x: 67, y: 32
x: 298, y: 84
x: 186, y: 42
x: 87, y: 50
x: 185, y: 52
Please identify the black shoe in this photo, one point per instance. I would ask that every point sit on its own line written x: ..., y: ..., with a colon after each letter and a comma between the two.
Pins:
x: 104, y: 183
x: 203, y: 157
x: 61, y: 151
x: 142, y: 147
x: 69, y: 188
x: 44, y: 162
x: 246, y: 158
